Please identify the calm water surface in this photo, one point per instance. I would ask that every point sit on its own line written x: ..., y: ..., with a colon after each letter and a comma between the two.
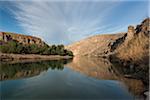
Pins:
x: 60, y: 80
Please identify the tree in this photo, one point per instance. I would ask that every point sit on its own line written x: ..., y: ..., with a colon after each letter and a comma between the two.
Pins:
x: 69, y: 53
x: 16, y: 47
x: 11, y: 47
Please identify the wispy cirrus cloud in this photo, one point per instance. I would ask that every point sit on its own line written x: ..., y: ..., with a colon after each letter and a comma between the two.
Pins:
x: 61, y: 22
x: 64, y: 21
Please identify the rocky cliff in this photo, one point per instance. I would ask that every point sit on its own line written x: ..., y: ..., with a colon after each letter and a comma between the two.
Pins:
x: 104, y: 45
x: 136, y: 48
x: 23, y: 39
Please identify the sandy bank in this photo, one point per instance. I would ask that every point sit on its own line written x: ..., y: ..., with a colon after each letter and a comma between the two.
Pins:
x: 28, y: 57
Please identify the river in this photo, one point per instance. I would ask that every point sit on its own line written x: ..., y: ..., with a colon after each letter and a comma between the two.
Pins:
x: 79, y: 79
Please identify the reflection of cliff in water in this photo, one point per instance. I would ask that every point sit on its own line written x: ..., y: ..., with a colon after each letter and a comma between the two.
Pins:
x: 28, y: 69
x: 102, y: 69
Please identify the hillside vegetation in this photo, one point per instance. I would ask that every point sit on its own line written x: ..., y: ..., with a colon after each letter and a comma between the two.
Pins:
x: 15, y: 47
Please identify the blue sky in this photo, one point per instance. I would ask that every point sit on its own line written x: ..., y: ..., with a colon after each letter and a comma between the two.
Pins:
x: 64, y: 22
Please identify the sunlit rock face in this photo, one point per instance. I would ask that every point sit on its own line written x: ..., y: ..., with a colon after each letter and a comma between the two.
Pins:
x: 102, y: 69
x: 98, y: 45
x: 24, y: 39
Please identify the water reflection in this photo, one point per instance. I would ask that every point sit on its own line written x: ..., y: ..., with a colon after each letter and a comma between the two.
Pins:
x: 29, y: 69
x: 65, y: 84
x: 102, y: 69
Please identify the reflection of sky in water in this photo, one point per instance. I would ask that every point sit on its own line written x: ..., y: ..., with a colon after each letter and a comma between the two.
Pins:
x: 63, y: 84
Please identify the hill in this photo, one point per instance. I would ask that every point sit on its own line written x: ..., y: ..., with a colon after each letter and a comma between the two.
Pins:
x: 108, y: 44
x: 98, y: 45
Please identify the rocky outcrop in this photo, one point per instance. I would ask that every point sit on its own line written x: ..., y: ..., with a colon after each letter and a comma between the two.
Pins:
x: 24, y: 39
x: 130, y: 33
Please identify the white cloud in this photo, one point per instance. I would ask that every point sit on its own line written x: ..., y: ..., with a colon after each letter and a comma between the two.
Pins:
x: 62, y: 22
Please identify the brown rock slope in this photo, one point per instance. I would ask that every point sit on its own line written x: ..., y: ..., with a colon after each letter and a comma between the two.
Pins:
x: 98, y: 45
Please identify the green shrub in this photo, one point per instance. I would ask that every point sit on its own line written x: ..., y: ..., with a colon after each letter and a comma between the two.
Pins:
x: 16, y: 47
x: 69, y: 53
x: 11, y: 47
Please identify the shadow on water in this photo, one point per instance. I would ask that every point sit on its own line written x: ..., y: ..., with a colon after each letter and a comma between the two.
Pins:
x: 29, y: 69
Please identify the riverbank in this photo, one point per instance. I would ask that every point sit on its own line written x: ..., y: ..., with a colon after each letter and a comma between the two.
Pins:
x: 30, y: 57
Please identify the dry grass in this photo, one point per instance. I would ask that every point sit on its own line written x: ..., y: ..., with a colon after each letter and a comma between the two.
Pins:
x: 136, y: 50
